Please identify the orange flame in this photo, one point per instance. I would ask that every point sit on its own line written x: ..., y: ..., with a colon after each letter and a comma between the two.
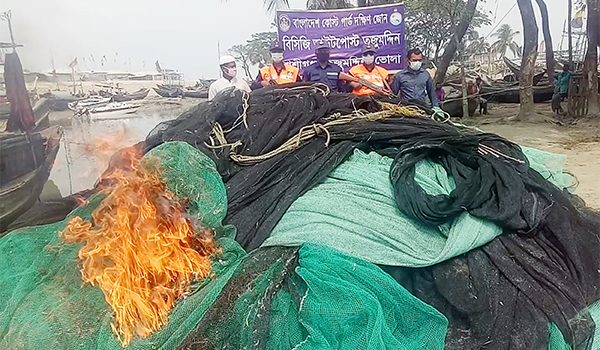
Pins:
x: 141, y: 250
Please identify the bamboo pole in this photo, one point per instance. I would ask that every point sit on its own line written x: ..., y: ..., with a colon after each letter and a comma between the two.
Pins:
x: 569, y: 31
x: 465, y: 99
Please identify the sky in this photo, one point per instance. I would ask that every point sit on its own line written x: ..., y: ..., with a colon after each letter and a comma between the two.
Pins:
x: 181, y: 34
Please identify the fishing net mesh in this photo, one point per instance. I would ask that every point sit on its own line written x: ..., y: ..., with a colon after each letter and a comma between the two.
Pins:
x: 310, y: 297
x: 314, y: 297
x: 44, y: 302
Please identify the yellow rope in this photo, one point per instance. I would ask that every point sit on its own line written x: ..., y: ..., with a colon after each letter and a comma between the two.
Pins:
x: 308, y: 132
x: 388, y: 110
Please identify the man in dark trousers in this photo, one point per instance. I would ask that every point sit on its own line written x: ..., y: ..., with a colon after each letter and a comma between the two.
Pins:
x: 324, y: 71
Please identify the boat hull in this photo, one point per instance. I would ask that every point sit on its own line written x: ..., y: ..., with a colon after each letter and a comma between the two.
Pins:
x: 21, y: 187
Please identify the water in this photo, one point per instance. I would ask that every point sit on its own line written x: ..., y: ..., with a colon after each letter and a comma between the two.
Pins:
x: 89, y: 144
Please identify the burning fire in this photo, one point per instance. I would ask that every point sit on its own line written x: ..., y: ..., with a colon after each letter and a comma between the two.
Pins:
x: 141, y: 250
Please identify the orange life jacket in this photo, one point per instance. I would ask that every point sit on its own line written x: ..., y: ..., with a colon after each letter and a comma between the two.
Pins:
x: 377, y: 76
x: 289, y: 74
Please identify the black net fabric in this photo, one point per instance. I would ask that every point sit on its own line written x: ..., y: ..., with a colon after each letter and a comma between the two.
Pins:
x: 500, y: 296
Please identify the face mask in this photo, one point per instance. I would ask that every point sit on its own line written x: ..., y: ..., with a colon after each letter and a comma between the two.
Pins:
x: 368, y: 59
x: 415, y: 65
x: 230, y: 72
x: 323, y: 57
x: 277, y: 57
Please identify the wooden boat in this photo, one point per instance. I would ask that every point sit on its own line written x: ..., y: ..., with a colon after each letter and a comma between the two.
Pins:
x: 514, y: 68
x: 25, y: 166
x: 454, y: 107
x: 113, y: 110
x: 41, y: 111
x: 203, y: 93
x: 169, y: 92
x: 90, y: 102
x: 510, y: 94
x: 136, y: 95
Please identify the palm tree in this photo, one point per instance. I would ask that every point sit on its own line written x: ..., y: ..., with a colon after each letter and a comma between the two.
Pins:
x: 506, y: 35
x: 477, y: 45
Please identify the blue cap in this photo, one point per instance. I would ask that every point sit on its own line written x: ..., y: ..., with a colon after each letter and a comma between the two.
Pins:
x: 276, y: 46
x: 322, y: 44
x: 369, y: 48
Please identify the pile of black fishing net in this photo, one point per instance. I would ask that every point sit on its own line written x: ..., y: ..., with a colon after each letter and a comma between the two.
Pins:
x: 544, y: 268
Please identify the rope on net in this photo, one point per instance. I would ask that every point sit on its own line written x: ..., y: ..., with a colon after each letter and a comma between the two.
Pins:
x: 308, y: 132
x: 388, y: 110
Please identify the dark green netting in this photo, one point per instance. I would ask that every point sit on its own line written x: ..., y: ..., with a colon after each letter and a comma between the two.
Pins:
x: 355, y: 205
x: 328, y: 301
x: 45, y: 305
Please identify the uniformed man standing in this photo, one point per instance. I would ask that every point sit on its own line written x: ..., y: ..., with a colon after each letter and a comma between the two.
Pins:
x: 376, y: 76
x: 324, y: 71
x: 277, y: 73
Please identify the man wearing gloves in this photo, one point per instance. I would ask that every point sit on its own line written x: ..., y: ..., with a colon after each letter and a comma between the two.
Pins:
x: 414, y: 83
x: 229, y: 79
x: 277, y: 73
x: 372, y: 78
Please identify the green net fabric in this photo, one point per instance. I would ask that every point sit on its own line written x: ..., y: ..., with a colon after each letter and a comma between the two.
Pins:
x: 43, y: 301
x: 354, y: 211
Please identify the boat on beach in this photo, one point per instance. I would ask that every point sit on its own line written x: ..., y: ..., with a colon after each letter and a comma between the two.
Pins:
x: 25, y: 165
x: 90, y: 102
x: 136, y: 95
x: 113, y: 110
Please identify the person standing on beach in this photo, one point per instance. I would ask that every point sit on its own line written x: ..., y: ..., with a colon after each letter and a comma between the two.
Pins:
x: 415, y: 84
x: 562, y: 88
x: 229, y: 78
x: 277, y: 73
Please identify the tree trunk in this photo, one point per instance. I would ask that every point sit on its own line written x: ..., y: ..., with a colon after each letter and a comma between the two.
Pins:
x: 530, y: 41
x: 547, y: 40
x: 457, y: 37
x: 590, y: 65
x: 437, y: 51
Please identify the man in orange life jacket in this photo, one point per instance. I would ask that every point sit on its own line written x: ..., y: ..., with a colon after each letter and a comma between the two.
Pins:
x: 277, y: 73
x: 370, y: 72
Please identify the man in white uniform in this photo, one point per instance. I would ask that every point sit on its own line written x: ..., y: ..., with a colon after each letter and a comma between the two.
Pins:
x: 229, y: 79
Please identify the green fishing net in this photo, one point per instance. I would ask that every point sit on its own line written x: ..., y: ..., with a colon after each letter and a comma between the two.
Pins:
x: 315, y: 297
x: 43, y: 301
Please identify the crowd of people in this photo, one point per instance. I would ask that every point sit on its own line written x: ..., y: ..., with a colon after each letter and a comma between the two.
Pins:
x: 366, y: 78
x: 411, y: 84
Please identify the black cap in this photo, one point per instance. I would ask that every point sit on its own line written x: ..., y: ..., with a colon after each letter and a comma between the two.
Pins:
x: 369, y: 48
x: 322, y: 44
x: 276, y: 47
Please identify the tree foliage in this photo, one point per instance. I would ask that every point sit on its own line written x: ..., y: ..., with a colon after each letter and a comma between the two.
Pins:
x: 430, y: 24
x: 506, y: 40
